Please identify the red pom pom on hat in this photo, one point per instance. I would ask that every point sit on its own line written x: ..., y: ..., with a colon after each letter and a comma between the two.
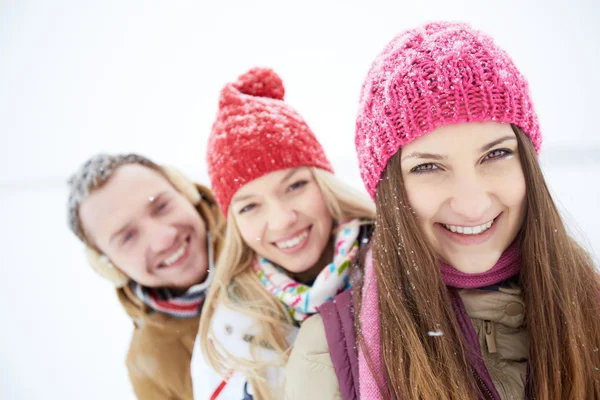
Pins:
x: 261, y: 82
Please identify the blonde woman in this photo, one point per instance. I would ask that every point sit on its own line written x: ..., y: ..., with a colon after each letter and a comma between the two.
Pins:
x: 293, y: 232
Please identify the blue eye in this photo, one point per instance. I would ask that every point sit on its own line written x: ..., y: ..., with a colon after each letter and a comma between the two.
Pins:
x: 424, y: 168
x: 248, y: 208
x: 128, y: 236
x: 297, y: 185
x: 498, y: 154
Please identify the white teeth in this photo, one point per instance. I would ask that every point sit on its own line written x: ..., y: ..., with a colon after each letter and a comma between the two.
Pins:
x: 292, y: 242
x: 177, y: 255
x: 469, y: 230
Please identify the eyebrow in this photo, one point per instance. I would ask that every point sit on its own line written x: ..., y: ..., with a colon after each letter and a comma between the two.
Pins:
x: 290, y: 173
x: 156, y: 198
x: 425, y: 155
x: 433, y: 156
x: 287, y: 176
x: 497, y: 142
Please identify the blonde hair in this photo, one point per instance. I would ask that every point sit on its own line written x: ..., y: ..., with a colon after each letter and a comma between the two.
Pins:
x: 237, y: 287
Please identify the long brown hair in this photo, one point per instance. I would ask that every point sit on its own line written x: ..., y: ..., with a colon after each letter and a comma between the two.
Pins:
x: 560, y: 290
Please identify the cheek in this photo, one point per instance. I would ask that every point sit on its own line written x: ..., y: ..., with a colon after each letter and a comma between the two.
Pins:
x: 511, y: 188
x: 198, y: 223
x: 185, y: 212
x: 131, y: 261
x: 516, y: 203
x: 313, y: 205
x: 424, y: 200
x: 250, y: 231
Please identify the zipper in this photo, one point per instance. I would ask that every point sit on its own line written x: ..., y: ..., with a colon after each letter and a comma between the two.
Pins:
x: 490, y: 336
x: 483, y: 386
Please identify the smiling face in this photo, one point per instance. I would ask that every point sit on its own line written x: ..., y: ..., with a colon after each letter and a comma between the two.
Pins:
x: 284, y: 218
x: 147, y: 229
x: 466, y: 186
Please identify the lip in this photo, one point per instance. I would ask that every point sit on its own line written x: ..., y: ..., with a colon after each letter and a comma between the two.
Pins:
x: 182, y: 259
x: 301, y: 246
x: 472, y: 225
x: 291, y: 236
x: 470, y: 240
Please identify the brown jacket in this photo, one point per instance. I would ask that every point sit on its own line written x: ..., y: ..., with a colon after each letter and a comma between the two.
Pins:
x: 161, y: 347
x: 498, y: 319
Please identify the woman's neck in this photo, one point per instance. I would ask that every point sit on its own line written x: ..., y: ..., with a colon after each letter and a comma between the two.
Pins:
x: 311, y: 274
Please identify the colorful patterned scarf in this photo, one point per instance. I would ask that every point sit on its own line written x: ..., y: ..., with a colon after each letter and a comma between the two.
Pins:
x: 302, y: 300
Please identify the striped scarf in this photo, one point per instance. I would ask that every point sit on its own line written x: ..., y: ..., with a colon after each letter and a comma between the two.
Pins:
x: 185, y: 305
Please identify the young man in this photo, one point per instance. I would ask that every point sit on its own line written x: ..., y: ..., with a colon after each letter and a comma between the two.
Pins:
x: 155, y: 235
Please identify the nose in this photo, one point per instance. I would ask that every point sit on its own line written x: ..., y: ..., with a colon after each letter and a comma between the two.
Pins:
x: 281, y: 216
x: 162, y: 237
x: 470, y: 198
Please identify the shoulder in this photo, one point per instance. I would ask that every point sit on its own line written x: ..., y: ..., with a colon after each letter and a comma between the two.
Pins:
x: 159, y: 363
x: 311, y: 340
x: 151, y: 346
x: 310, y: 362
x: 161, y: 345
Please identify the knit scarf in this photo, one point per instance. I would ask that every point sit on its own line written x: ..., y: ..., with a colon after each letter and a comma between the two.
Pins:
x: 302, y: 300
x: 182, y: 305
x: 507, y: 266
x: 370, y: 376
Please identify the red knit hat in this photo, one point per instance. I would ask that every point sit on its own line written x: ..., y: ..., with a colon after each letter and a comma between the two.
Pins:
x: 257, y: 133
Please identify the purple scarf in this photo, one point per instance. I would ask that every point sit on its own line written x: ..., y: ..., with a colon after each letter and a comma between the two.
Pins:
x: 507, y: 266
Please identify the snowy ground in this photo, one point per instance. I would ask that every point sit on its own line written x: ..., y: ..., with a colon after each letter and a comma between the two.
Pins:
x: 78, y: 77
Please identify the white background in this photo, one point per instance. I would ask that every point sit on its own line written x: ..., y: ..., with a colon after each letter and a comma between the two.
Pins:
x: 78, y: 77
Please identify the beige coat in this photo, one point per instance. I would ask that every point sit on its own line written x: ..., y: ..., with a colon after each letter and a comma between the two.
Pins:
x: 498, y: 319
x: 160, y: 352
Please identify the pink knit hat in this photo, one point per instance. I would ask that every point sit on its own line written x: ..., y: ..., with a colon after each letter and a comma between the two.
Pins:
x: 256, y: 133
x: 439, y: 74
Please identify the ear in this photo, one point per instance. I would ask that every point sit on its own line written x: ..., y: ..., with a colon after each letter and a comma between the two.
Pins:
x: 184, y: 185
x: 105, y: 268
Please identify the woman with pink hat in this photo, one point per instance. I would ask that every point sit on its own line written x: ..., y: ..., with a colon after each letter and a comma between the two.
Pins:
x: 472, y: 287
